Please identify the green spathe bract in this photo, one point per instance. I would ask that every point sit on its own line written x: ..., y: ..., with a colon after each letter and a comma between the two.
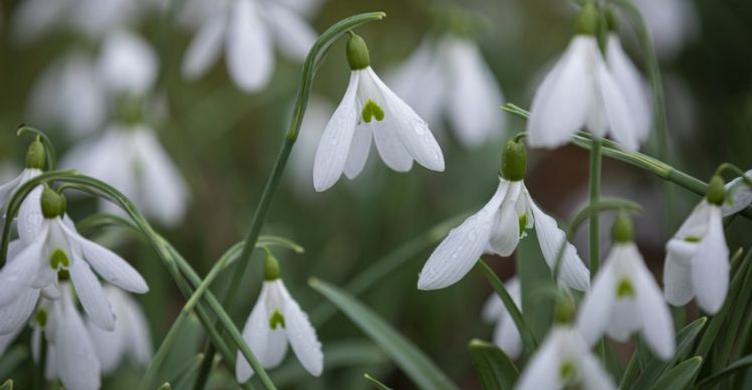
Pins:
x: 587, y: 20
x: 36, y: 155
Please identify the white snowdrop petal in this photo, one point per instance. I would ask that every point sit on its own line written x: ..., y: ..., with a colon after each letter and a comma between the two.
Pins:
x: 15, y: 314
x: 359, y: 149
x: 17, y: 275
x: 625, y: 320
x: 110, y: 266
x: 76, y: 362
x: 738, y: 196
x: 335, y: 144
x: 293, y: 34
x: 30, y: 217
x: 620, y: 119
x: 412, y: 131
x: 250, y: 59
x: 677, y: 272
x: 492, y: 309
x: 658, y: 326
x: 107, y: 344
x: 507, y: 337
x: 710, y: 265
x: 137, y: 331
x: 127, y: 63
x: 302, y: 335
x: 7, y: 189
x: 389, y: 146
x: 474, y: 97
x: 573, y: 272
x: 542, y: 372
x: 261, y: 339
x: 421, y: 81
x: 632, y: 86
x: 91, y: 295
x: 557, y: 112
x: 205, y: 47
x: 594, y: 376
x: 505, y: 235
x: 462, y: 247
x: 595, y: 312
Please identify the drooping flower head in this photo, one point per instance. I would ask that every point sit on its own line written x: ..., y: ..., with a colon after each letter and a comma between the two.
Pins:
x: 497, y: 229
x: 505, y: 335
x: 697, y: 257
x: 625, y: 299
x: 582, y: 91
x: 564, y: 361
x: 368, y: 110
x: 276, y: 321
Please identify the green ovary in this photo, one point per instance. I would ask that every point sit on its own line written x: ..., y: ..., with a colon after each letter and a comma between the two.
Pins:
x: 372, y: 110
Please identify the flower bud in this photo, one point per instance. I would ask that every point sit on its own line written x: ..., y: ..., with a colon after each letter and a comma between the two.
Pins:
x: 35, y: 155
x: 587, y: 21
x: 271, y: 268
x: 622, y: 231
x: 514, y: 161
x: 357, y: 52
x: 716, y: 193
x: 53, y: 204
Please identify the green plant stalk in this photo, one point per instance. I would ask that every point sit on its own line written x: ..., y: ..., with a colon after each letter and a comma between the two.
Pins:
x: 528, y: 339
x: 594, y: 194
x: 315, y: 55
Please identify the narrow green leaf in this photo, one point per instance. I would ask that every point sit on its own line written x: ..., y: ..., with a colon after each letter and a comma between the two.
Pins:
x: 376, y: 382
x: 495, y: 369
x: 730, y: 330
x: 654, y: 367
x: 408, y: 357
x: 726, y: 372
x: 7, y: 385
x: 679, y: 377
x: 12, y: 358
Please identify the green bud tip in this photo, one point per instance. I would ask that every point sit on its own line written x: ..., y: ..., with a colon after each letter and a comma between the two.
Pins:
x: 514, y: 161
x: 35, y: 155
x: 587, y: 21
x: 357, y: 52
x: 716, y: 192
x: 271, y: 268
x: 53, y: 204
x: 622, y: 230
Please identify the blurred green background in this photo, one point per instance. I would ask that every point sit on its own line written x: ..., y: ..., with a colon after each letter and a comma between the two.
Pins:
x: 224, y: 142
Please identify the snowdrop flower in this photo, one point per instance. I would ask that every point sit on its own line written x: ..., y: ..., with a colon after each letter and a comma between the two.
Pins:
x: 498, y: 227
x: 130, y: 338
x: 697, y: 258
x: 57, y: 253
x: 739, y: 195
x: 35, y: 161
x: 506, y: 335
x: 370, y: 109
x: 316, y: 117
x: 625, y: 298
x: 581, y: 91
x: 131, y: 159
x: 15, y: 314
x: 70, y: 352
x: 275, y: 321
x: 564, y: 361
x: 70, y: 93
x: 672, y: 23
x: 449, y: 76
x: 248, y: 29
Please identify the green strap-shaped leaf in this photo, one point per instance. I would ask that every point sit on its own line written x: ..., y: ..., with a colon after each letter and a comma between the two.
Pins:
x: 740, y: 364
x: 377, y: 383
x: 495, y: 369
x: 7, y: 385
x: 653, y: 366
x: 679, y: 377
x: 408, y: 357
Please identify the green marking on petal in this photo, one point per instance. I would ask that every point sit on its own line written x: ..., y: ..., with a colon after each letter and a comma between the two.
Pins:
x: 41, y: 318
x: 566, y: 371
x: 59, y: 259
x: 372, y: 110
x: 277, y: 319
x: 523, y: 224
x: 692, y: 239
x: 624, y: 289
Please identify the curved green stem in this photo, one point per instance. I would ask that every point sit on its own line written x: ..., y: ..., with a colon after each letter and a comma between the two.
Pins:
x: 736, y: 170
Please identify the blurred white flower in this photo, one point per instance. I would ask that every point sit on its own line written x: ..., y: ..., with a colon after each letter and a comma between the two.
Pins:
x: 582, y: 92
x: 624, y: 299
x: 248, y: 29
x: 672, y: 23
x: 57, y: 253
x: 564, y: 361
x: 448, y: 76
x: 317, y: 115
x: 497, y: 228
x: 70, y: 93
x: 275, y: 321
x: 697, y: 260
x: 70, y: 352
x: 127, y: 64
x: 130, y: 338
x: 131, y: 159
x: 505, y: 335
x: 739, y: 196
x: 633, y: 86
x: 369, y: 109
